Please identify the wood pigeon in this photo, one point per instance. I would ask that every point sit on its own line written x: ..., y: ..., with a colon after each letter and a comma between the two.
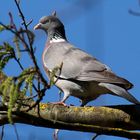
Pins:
x: 79, y: 74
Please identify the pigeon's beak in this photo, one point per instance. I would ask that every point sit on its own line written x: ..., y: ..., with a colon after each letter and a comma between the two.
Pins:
x: 38, y: 26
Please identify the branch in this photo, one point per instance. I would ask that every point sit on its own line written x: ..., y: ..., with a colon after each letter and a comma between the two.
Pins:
x: 30, y: 47
x: 115, y: 120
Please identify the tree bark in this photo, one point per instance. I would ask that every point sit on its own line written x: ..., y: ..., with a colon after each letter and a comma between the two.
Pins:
x: 114, y: 120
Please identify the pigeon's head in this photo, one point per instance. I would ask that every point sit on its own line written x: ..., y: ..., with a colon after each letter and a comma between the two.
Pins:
x: 48, y: 23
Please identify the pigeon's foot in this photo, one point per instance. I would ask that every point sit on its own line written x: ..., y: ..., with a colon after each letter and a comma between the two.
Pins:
x: 60, y: 103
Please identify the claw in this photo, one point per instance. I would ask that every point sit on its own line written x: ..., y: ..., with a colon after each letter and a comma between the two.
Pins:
x: 60, y: 103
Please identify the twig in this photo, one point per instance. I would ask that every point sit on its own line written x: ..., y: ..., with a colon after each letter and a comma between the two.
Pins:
x: 40, y: 97
x: 17, y: 60
x: 2, y: 133
x: 30, y: 46
x: 12, y: 25
x: 31, y: 97
x: 17, y: 136
x: 20, y: 65
x: 15, y: 33
x: 29, y: 22
x: 94, y: 137
x: 134, y: 13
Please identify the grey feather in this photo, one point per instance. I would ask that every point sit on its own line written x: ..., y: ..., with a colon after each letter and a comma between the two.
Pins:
x: 120, y: 92
x: 79, y: 65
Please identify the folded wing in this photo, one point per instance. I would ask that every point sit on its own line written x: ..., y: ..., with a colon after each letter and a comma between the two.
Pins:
x: 78, y: 65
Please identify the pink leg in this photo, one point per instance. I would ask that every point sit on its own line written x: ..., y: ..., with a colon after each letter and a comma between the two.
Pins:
x: 59, y: 103
x: 66, y: 95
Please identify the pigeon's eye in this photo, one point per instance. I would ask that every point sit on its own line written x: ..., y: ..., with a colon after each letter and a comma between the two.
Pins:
x: 45, y: 21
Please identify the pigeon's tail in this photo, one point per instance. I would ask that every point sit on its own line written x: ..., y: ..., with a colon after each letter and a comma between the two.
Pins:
x: 119, y: 91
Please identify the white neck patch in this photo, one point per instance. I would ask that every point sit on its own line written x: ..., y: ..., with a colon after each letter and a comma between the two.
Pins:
x: 54, y: 40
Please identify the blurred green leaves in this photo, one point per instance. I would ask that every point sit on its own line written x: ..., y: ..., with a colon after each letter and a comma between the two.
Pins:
x: 6, y: 53
x: 14, y: 89
x: 55, y: 73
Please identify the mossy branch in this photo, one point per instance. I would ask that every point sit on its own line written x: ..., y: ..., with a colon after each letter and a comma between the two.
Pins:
x: 115, y: 120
